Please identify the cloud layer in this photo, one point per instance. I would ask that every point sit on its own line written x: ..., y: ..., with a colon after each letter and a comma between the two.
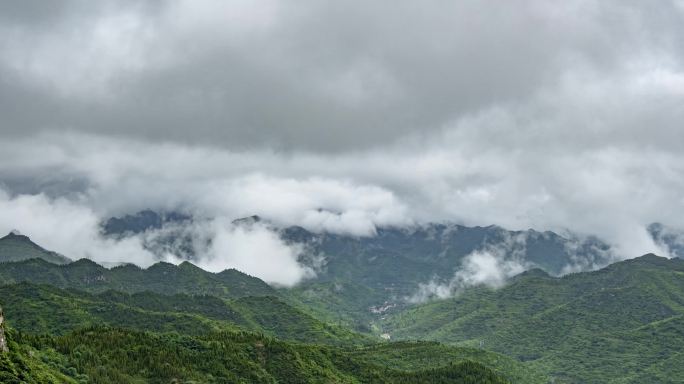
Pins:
x: 72, y: 229
x: 323, y: 77
x: 341, y: 117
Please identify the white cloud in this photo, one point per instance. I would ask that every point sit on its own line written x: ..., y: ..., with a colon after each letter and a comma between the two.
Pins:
x: 73, y: 230
x: 490, y: 266
x: 68, y: 228
x: 255, y: 250
x: 609, y: 191
x: 343, y: 116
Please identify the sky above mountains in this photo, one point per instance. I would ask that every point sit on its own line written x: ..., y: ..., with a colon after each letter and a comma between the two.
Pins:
x: 343, y: 116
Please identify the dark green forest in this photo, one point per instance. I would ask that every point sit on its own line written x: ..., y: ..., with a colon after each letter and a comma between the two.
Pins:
x: 125, y: 355
x: 79, y: 322
x: 622, y: 324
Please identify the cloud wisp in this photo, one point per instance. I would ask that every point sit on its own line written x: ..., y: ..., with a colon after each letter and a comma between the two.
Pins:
x: 75, y: 231
x: 255, y: 249
x: 490, y: 266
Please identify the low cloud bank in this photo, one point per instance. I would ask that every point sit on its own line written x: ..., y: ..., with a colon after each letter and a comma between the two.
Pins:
x: 254, y: 249
x: 490, y: 266
x: 67, y: 227
x: 73, y: 230
x: 342, y: 116
x: 480, y: 268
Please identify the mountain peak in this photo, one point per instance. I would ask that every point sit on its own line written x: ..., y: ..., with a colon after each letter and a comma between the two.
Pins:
x: 86, y: 263
x: 247, y: 220
x: 652, y: 258
x: 649, y: 260
x: 17, y: 247
x: 142, y: 221
x: 188, y: 266
x: 534, y: 272
x: 16, y: 235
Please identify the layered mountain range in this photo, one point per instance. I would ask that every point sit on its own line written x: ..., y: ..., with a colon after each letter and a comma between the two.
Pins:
x: 77, y: 321
x: 358, y: 279
x: 80, y: 322
x: 428, y: 250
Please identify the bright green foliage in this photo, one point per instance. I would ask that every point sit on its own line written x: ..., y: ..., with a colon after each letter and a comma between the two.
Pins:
x: 272, y: 316
x: 195, y: 354
x: 105, y: 355
x: 162, y: 278
x: 24, y: 365
x: 14, y: 247
x: 412, y: 355
x: 621, y: 324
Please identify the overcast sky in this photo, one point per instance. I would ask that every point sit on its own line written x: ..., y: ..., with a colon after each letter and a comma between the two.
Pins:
x: 343, y: 115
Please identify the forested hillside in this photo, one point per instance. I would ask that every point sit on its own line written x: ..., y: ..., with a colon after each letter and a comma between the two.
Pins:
x: 359, y: 278
x: 162, y: 278
x: 114, y: 355
x: 620, y: 324
x: 624, y: 323
x: 68, y: 325
x: 43, y: 309
x: 17, y: 247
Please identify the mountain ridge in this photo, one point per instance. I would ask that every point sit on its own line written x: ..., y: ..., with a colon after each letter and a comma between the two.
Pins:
x: 161, y: 277
x: 552, y: 325
x: 575, y: 328
x: 18, y: 247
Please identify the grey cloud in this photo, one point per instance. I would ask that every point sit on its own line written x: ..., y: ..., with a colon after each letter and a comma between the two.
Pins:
x: 33, y: 12
x: 491, y: 266
x: 343, y: 116
x: 612, y: 193
x: 313, y: 75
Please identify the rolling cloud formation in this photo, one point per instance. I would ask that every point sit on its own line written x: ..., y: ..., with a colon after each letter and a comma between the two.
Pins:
x: 341, y: 117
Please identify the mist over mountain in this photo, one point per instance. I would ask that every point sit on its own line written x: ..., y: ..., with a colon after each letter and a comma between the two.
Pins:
x: 622, y: 322
x: 669, y: 238
x: 16, y: 247
x: 393, y: 258
x: 340, y: 120
x: 630, y: 301
x: 421, y: 251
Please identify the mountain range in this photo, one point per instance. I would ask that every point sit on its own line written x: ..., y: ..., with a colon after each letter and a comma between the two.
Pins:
x: 17, y: 247
x: 81, y: 322
x: 359, y: 279
x: 621, y: 323
x: 420, y: 252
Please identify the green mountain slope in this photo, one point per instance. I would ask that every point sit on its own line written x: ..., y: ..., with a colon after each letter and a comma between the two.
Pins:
x: 22, y: 364
x: 616, y: 325
x: 379, y: 270
x: 162, y: 278
x: 151, y: 307
x: 365, y: 278
x: 410, y: 355
x: 110, y: 355
x: 49, y: 310
x: 340, y: 302
x: 15, y: 247
x: 115, y: 355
